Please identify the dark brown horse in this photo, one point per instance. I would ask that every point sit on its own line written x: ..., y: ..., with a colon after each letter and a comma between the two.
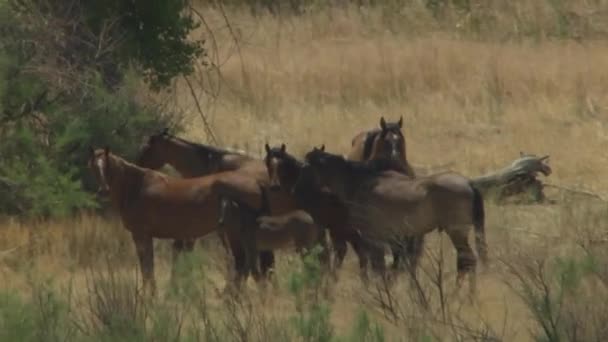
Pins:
x: 153, y: 205
x: 392, y: 205
x: 192, y: 159
x: 285, y: 171
x: 388, y: 142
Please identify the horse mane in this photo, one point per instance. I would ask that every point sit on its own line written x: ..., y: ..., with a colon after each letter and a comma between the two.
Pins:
x: 292, y: 161
x: 368, y: 143
x: 207, y: 149
x: 134, y: 167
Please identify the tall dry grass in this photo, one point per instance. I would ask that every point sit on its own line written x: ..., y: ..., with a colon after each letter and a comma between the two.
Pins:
x: 474, y: 89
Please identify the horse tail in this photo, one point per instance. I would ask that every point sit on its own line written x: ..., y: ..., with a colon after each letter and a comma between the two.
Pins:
x: 479, y: 224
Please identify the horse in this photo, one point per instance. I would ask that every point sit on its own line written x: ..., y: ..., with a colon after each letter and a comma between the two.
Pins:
x: 388, y: 142
x: 394, y: 145
x: 284, y: 171
x: 196, y: 160
x: 396, y: 205
x: 192, y: 159
x: 153, y: 205
x: 295, y: 227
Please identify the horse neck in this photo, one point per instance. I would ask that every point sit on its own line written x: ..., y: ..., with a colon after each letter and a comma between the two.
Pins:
x: 186, y: 160
x: 294, y: 171
x: 123, y: 177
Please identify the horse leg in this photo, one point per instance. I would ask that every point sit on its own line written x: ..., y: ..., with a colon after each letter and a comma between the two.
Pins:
x: 145, y: 252
x: 362, y: 254
x: 397, y: 251
x: 465, y: 257
x: 266, y: 263
x: 340, y: 248
x: 178, y: 249
x: 414, y: 247
x: 377, y: 259
x: 240, y: 263
x: 248, y: 240
x: 324, y: 256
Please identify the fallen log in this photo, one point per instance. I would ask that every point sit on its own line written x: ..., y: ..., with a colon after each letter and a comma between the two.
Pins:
x: 517, y: 178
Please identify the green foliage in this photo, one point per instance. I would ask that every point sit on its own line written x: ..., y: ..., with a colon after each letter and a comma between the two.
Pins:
x: 44, y: 317
x: 560, y: 304
x: 312, y: 319
x: 46, y: 163
x: 16, y: 318
x: 313, y: 324
x: 48, y: 120
x: 310, y: 274
x: 364, y: 330
x: 157, y: 33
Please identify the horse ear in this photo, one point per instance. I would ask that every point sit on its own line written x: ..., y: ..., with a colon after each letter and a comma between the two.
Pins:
x: 91, y: 150
x: 106, y: 150
x: 283, y: 148
x: 322, y: 149
x: 521, y: 154
x: 267, y: 148
x: 400, y: 123
x: 382, y: 123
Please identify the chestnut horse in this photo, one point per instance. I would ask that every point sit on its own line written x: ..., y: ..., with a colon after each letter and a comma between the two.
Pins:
x: 285, y: 171
x: 196, y: 160
x: 154, y: 205
x: 392, y: 205
x: 388, y: 142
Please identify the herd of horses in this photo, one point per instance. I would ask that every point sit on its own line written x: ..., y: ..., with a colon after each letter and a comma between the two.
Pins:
x: 369, y: 199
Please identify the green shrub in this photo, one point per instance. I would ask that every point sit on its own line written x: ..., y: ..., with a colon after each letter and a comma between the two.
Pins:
x: 53, y: 109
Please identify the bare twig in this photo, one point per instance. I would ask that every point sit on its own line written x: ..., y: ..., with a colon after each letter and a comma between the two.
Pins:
x: 236, y: 42
x: 206, y: 124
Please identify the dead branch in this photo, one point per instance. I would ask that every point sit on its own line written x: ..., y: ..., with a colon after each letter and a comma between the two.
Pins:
x: 9, y: 251
x: 577, y: 191
x: 518, y: 177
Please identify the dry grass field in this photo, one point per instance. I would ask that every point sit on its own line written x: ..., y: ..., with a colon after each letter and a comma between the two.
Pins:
x: 471, y: 101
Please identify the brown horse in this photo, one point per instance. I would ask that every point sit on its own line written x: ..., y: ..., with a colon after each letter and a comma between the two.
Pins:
x: 285, y: 171
x: 153, y: 205
x: 196, y: 160
x: 394, y: 146
x: 391, y: 205
x: 191, y: 159
x: 388, y: 142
